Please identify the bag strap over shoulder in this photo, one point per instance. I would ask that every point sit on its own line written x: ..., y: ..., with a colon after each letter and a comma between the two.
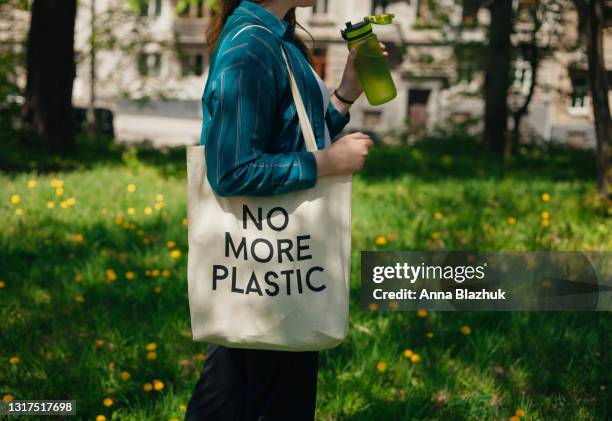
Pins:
x: 309, y: 137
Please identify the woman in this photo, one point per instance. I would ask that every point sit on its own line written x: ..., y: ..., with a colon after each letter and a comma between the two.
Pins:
x: 254, y: 146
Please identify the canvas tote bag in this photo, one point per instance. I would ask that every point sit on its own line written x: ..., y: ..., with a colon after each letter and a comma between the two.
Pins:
x: 269, y: 272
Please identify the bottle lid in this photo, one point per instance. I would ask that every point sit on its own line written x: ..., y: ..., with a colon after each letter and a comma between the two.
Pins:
x: 383, y: 19
x: 357, y: 30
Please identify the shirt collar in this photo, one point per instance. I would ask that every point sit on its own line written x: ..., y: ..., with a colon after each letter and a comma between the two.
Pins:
x: 279, y: 26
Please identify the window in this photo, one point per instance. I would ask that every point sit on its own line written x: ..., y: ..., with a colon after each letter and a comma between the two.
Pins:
x: 522, y: 76
x: 319, y: 61
x: 580, y: 94
x: 372, y: 118
x: 146, y: 5
x: 470, y: 12
x: 426, y: 12
x: 192, y: 63
x: 417, y: 107
x: 320, y: 6
x: 149, y: 64
x: 192, y: 9
x: 379, y: 6
x: 467, y: 62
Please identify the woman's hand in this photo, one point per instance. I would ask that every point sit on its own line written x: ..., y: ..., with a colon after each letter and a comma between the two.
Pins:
x: 345, y: 156
x: 350, y: 88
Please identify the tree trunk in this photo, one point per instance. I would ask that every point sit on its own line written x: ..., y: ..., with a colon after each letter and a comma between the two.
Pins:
x: 497, y: 78
x: 593, y: 13
x: 534, y: 62
x: 51, y: 72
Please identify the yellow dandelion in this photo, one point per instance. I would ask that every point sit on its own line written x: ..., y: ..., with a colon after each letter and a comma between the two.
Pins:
x: 148, y: 210
x: 520, y: 413
x: 59, y: 191
x: 173, y: 419
x: 380, y: 240
x: 545, y: 214
x: 129, y: 275
x: 2, y: 284
x: 373, y: 306
x: 147, y: 387
x: 151, y: 355
x: 79, y: 298
x: 78, y: 278
x: 185, y: 221
x: 19, y: 211
x: 107, y: 402
x: 408, y: 352
x: 14, y: 360
x: 50, y: 205
x: 158, y: 385
x: 514, y: 418
x: 8, y: 397
x: 435, y: 235
x: 415, y: 358
x: 545, y: 197
x: 111, y: 275
x: 159, y: 205
x: 465, y: 330
x: 165, y: 273
x: 71, y: 201
x: 15, y: 199
x: 159, y: 197
x: 118, y: 220
x: 175, y: 254
x: 100, y: 418
x: 183, y: 407
x: 56, y: 183
x: 131, y: 188
x: 171, y: 244
x: 545, y: 222
x: 99, y: 342
x: 32, y: 184
x: 511, y: 220
x: 78, y: 237
x: 429, y: 335
x: 64, y: 204
x: 381, y: 366
x: 438, y: 215
x: 152, y: 346
x: 131, y: 211
x: 157, y: 290
x: 200, y: 357
x: 422, y: 313
x: 155, y: 272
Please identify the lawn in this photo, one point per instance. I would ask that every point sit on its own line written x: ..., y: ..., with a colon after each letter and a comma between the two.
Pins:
x: 93, y: 293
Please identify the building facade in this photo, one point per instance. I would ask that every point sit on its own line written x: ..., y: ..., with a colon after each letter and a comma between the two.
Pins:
x: 438, y: 72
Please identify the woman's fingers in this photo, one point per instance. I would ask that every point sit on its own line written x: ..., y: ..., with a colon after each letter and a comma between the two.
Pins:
x: 384, y: 49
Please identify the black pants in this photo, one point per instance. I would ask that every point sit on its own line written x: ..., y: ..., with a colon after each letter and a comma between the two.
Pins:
x: 255, y: 385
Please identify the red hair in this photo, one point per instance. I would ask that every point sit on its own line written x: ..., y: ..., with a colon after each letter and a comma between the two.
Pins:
x: 226, y: 7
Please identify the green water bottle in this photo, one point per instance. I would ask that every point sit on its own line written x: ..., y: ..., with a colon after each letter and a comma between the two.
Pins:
x: 370, y: 63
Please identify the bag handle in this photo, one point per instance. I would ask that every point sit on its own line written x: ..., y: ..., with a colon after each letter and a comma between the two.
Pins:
x: 309, y: 137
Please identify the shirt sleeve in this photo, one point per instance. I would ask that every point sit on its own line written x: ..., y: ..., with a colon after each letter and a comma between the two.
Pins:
x: 336, y: 121
x: 243, y: 119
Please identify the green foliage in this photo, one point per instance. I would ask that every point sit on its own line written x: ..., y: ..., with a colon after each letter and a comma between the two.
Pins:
x: 76, y: 335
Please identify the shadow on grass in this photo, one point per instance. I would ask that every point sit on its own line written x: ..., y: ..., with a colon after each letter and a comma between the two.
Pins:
x: 463, y: 158
x: 456, y: 156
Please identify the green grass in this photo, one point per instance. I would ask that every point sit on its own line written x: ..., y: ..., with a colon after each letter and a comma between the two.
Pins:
x: 552, y: 365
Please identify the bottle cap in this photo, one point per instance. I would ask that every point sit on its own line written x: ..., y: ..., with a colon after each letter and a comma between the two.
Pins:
x: 357, y: 30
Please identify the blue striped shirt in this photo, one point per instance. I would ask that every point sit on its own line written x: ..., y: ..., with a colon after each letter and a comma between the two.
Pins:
x: 254, y: 144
